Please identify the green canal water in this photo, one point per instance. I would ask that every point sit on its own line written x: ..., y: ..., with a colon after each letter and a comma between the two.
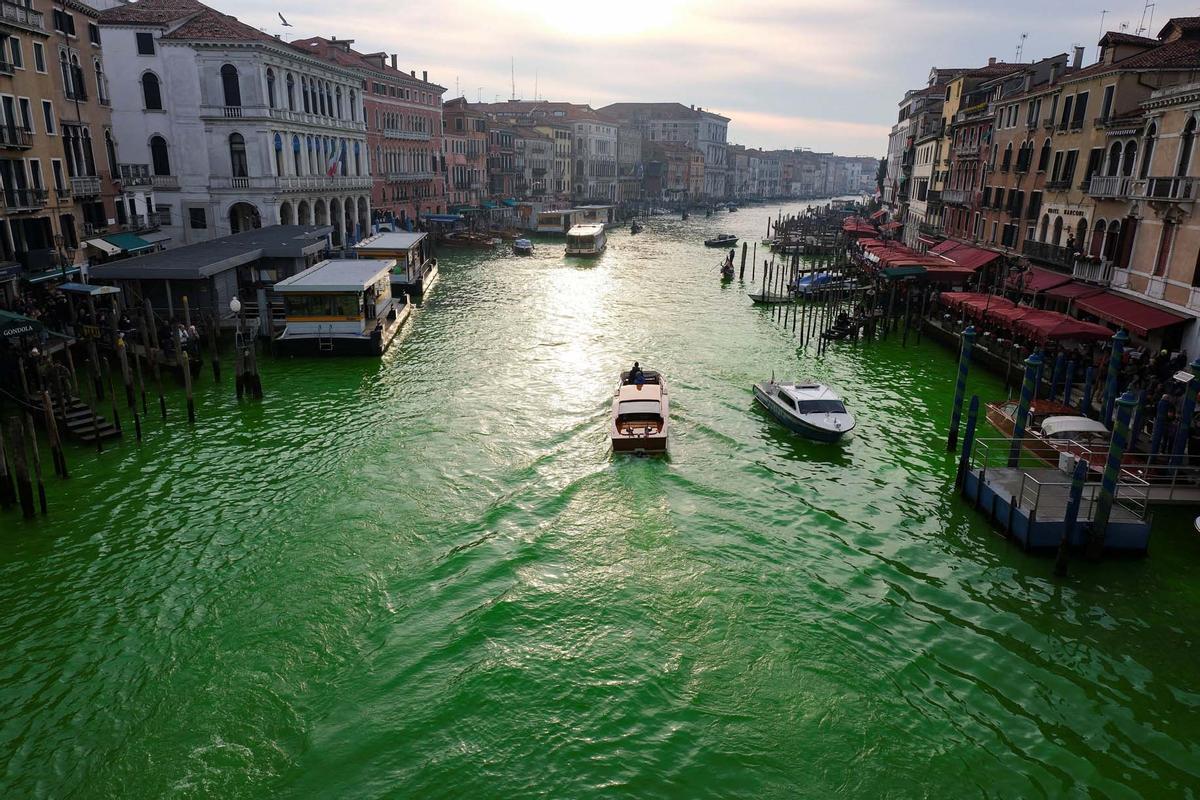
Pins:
x: 427, y: 576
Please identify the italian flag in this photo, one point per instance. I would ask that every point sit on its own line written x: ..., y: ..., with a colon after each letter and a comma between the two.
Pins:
x: 331, y: 167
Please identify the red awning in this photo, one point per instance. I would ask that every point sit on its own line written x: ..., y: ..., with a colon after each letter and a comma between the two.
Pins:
x: 1007, y: 316
x: 878, y: 214
x: 978, y: 305
x: 890, y: 226
x: 1046, y: 326
x: 948, y: 273
x: 1037, y: 280
x: 1138, y: 318
x: 1073, y: 291
x: 964, y: 255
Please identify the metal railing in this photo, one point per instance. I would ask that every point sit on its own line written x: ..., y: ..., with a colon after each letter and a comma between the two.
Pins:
x: 409, y: 177
x: 24, y: 199
x: 134, y: 174
x: 1049, y: 253
x: 416, y: 136
x: 956, y: 196
x: 1100, y: 271
x: 15, y: 138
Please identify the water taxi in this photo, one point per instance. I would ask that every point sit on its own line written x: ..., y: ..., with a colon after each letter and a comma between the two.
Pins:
x: 809, y: 409
x: 724, y: 240
x: 586, y: 240
x: 523, y: 247
x: 416, y: 269
x: 639, y: 413
x: 1055, y: 429
x: 341, y: 307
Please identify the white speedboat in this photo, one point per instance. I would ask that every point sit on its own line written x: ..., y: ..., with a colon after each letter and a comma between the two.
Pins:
x: 523, y: 247
x: 810, y: 409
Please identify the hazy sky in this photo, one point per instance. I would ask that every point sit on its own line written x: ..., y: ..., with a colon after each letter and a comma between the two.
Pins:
x: 790, y: 73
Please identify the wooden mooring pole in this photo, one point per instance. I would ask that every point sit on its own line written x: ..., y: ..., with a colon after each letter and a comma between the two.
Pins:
x: 21, y: 468
x: 31, y: 434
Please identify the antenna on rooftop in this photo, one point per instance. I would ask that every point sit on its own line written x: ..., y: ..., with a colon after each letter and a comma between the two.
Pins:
x: 535, y: 85
x: 1021, y: 46
x: 512, y: 73
x: 1103, y: 14
x: 1142, y: 26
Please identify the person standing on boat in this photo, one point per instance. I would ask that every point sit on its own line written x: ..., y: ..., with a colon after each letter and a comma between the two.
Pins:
x: 636, y: 376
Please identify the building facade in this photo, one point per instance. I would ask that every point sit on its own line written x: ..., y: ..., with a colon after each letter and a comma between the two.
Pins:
x: 239, y: 129
x: 403, y: 116
x: 703, y: 130
x: 465, y: 146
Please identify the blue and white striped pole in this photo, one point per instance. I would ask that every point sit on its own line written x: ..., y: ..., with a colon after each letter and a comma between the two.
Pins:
x: 1139, y: 419
x: 1114, y: 372
x: 1089, y: 383
x: 960, y: 387
x: 1184, y: 426
x: 964, y: 460
x: 1069, y: 383
x: 1032, y: 365
x: 1112, y: 471
x: 1060, y: 364
x: 1159, y: 431
x: 1074, y: 497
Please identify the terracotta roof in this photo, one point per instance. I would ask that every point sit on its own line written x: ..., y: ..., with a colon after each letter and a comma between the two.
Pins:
x: 324, y: 48
x: 1182, y: 53
x: 150, y: 12
x: 1118, y: 37
x: 660, y: 110
x: 213, y: 26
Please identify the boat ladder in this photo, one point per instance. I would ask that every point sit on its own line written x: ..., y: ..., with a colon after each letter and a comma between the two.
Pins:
x: 325, y: 342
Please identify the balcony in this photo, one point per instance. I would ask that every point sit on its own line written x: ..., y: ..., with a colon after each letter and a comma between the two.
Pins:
x: 1166, y: 188
x: 966, y: 151
x: 165, y: 181
x: 12, y: 138
x: 308, y: 118
x: 133, y: 175
x: 20, y: 15
x: 1058, y: 184
x: 24, y: 199
x: 317, y: 184
x: 1115, y: 186
x: 1049, y: 254
x: 408, y: 177
x: 85, y: 186
x: 1048, y: 124
x: 231, y: 112
x: 6, y: 66
x: 956, y: 197
x: 415, y: 136
x: 1093, y: 270
x: 929, y: 229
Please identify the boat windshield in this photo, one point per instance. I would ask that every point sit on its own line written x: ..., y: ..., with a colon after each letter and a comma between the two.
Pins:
x: 820, y: 407
x: 639, y: 410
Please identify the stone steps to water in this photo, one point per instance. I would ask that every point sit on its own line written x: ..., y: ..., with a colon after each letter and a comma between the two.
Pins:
x: 82, y: 424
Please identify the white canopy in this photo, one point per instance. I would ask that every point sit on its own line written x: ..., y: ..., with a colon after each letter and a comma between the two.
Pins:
x: 1053, y: 426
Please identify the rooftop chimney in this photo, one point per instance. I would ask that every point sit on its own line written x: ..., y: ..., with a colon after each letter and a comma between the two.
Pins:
x: 1077, y: 62
x: 393, y: 60
x: 412, y: 73
x: 425, y: 75
x: 992, y: 61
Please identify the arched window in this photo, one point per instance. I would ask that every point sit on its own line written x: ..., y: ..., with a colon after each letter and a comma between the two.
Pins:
x: 297, y: 157
x: 1185, y: 147
x: 1045, y: 227
x: 237, y: 155
x: 64, y: 66
x: 321, y: 99
x: 1007, y: 162
x: 270, y: 87
x: 1114, y: 159
x: 353, y: 111
x: 291, y: 92
x: 279, y: 170
x: 80, y: 88
x: 230, y: 85
x: 150, y: 92
x: 160, y: 159
x: 1129, y: 159
x: 1079, y: 241
x: 1058, y: 230
x: 101, y: 83
x: 304, y: 93
x: 1044, y: 157
x: 1148, y: 153
x: 338, y: 106
x: 1110, y: 240
x: 110, y: 150
x: 1097, y: 245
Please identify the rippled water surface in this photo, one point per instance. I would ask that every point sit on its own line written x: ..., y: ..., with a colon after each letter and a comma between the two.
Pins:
x: 427, y: 576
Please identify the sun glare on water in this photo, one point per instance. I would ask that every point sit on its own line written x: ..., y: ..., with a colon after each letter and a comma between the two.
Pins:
x: 611, y: 19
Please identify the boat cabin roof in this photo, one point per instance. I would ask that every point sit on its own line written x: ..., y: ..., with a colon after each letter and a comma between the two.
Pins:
x: 337, y: 275
x: 808, y: 391
x: 586, y: 230
x: 401, y: 240
x: 1053, y: 426
x: 647, y: 391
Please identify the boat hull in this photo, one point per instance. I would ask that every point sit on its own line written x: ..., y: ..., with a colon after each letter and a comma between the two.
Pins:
x: 794, y: 424
x: 641, y: 445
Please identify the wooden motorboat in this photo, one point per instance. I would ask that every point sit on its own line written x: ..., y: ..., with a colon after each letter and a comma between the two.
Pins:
x: 809, y: 409
x: 1054, y: 429
x: 523, y: 247
x: 770, y: 298
x: 470, y: 239
x: 724, y: 240
x: 640, y: 414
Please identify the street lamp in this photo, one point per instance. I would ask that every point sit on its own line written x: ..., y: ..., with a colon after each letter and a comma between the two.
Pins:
x: 235, y: 305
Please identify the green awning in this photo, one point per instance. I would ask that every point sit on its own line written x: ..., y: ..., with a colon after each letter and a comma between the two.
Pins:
x: 128, y: 242
x: 14, y: 326
x: 489, y: 204
x: 55, y: 274
x: 902, y: 272
x: 511, y: 203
